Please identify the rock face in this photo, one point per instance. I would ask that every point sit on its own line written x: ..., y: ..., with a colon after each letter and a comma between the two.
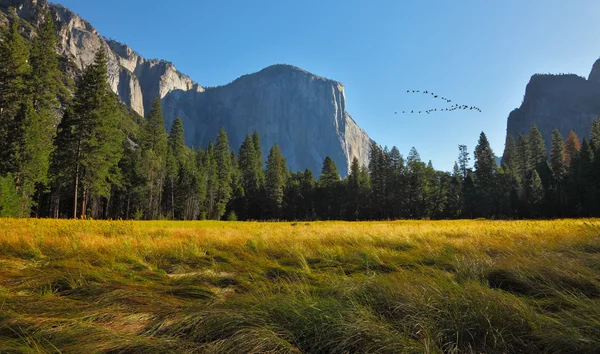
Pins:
x: 562, y: 102
x: 303, y: 113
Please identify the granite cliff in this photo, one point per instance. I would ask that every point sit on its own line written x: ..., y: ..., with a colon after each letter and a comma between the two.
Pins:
x: 562, y: 102
x: 303, y: 113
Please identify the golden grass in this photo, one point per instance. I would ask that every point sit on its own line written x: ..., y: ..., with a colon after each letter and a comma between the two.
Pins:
x: 319, y: 287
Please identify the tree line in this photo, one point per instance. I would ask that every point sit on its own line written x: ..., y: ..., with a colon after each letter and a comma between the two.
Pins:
x: 84, y: 154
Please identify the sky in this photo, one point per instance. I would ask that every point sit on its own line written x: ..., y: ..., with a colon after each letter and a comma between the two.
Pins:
x: 478, y: 53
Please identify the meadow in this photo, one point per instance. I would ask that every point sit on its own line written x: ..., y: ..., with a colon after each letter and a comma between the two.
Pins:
x: 318, y: 287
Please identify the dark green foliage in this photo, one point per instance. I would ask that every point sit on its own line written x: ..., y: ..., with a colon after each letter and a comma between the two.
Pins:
x: 537, y: 149
x: 275, y: 180
x: 153, y: 144
x: 224, y: 173
x: 14, y: 89
x: 89, y: 141
x: 485, y: 169
x: 10, y: 198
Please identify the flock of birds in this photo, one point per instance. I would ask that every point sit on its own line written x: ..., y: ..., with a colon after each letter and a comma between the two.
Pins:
x: 454, y: 107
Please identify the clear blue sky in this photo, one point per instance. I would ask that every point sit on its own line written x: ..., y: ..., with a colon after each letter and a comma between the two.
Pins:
x: 474, y: 52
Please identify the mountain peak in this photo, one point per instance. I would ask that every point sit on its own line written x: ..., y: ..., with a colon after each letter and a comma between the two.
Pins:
x: 595, y: 73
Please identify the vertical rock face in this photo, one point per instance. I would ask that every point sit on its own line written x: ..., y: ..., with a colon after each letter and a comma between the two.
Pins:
x: 562, y: 102
x: 303, y: 113
x: 138, y: 81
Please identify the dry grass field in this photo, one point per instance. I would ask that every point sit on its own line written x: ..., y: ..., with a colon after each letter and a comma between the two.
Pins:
x: 330, y: 287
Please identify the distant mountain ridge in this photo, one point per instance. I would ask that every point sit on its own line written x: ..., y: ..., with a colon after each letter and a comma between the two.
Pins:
x: 564, y: 102
x: 304, y: 113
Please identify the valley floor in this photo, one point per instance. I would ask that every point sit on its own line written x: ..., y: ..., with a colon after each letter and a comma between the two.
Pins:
x: 324, y: 287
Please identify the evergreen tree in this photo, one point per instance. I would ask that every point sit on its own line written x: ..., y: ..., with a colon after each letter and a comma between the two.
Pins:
x: 416, y: 185
x: 521, y: 158
x: 379, y: 167
x: 46, y: 75
x: 238, y: 195
x: 176, y: 158
x: 537, y: 148
x: 251, y: 177
x: 153, y: 141
x: 395, y: 184
x: 275, y: 179
x: 559, y: 170
x: 259, y: 155
x: 508, y: 158
x: 14, y: 74
x: 90, y: 139
x: 32, y: 148
x: 535, y: 193
x: 485, y: 167
x: 455, y: 196
x: 10, y: 199
x: 357, y: 191
x: 328, y: 191
x: 211, y: 181
x: 307, y: 192
x: 557, y: 156
x: 224, y: 173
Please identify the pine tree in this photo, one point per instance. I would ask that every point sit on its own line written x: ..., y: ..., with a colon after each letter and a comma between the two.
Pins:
x: 14, y: 74
x: 328, y: 191
x: 90, y: 140
x: 522, y: 154
x: 251, y: 177
x: 395, y: 186
x: 307, y: 194
x: 32, y: 148
x: 38, y: 112
x: 355, y: 185
x: 275, y: 179
x: 535, y: 193
x: 10, y: 198
x: 557, y: 156
x: 559, y: 170
x: 211, y: 180
x: 176, y: 158
x: 46, y: 75
x: 259, y: 156
x: 238, y: 194
x: 485, y: 168
x: 537, y: 148
x: 153, y: 141
x: 508, y: 158
x: 223, y: 160
x: 416, y: 185
x: 455, y: 193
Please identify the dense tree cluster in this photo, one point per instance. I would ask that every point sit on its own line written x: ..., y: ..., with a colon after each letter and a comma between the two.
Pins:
x: 86, y: 155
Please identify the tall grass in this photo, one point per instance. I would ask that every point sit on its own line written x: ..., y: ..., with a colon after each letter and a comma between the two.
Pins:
x: 323, y: 287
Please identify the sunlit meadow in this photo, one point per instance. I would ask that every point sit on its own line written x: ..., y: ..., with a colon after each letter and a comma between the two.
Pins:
x: 319, y: 287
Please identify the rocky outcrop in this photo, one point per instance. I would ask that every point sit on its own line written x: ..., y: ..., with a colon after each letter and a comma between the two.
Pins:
x: 303, y: 113
x: 562, y: 102
x: 138, y: 81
